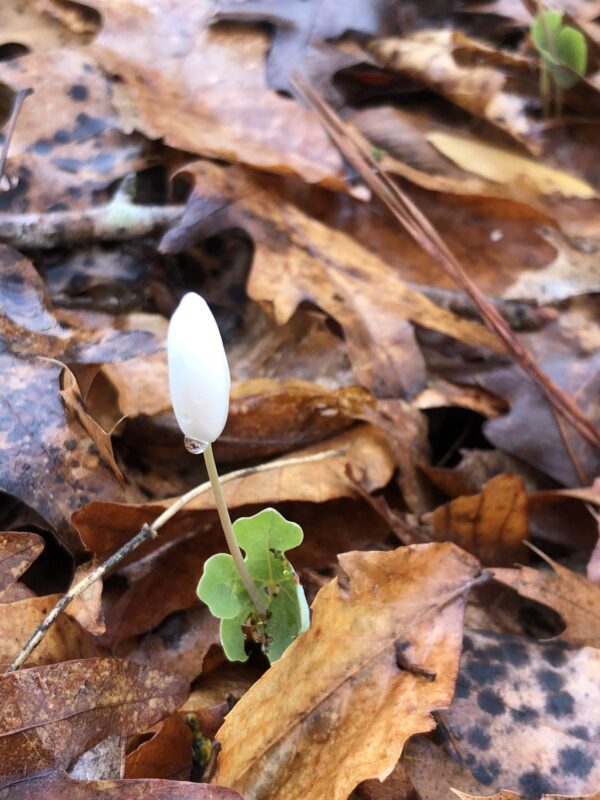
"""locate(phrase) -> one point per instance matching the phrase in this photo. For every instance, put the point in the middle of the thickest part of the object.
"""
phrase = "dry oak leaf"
(26, 26)
(573, 596)
(17, 552)
(483, 88)
(525, 715)
(298, 259)
(380, 656)
(213, 97)
(61, 787)
(492, 525)
(64, 641)
(52, 714)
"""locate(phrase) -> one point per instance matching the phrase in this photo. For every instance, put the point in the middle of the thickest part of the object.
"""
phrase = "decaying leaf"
(354, 705)
(299, 259)
(70, 129)
(17, 552)
(437, 57)
(65, 640)
(492, 525)
(573, 596)
(214, 100)
(524, 716)
(82, 702)
(59, 787)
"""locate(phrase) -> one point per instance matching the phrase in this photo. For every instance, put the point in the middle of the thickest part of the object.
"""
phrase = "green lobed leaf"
(221, 587)
(571, 49)
(544, 29)
(264, 537)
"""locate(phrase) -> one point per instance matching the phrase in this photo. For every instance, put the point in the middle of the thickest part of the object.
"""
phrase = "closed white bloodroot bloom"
(199, 379)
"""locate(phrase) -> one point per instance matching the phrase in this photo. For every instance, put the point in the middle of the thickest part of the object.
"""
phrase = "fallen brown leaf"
(381, 654)
(51, 714)
(485, 88)
(65, 640)
(59, 787)
(573, 596)
(17, 551)
(492, 525)
(323, 266)
(214, 100)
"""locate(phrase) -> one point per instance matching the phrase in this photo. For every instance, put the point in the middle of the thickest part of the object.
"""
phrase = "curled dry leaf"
(82, 702)
(59, 787)
(214, 100)
(300, 259)
(17, 551)
(525, 715)
(437, 58)
(65, 640)
(573, 596)
(492, 525)
(380, 656)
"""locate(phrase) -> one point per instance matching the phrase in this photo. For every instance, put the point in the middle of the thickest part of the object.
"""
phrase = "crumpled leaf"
(381, 654)
(524, 716)
(214, 100)
(486, 89)
(59, 787)
(17, 551)
(573, 596)
(324, 266)
(82, 702)
(492, 525)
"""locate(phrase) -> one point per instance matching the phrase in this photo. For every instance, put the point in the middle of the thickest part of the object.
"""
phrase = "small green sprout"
(264, 538)
(257, 596)
(563, 52)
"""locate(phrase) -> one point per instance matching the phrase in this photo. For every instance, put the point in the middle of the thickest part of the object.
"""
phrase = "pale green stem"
(232, 544)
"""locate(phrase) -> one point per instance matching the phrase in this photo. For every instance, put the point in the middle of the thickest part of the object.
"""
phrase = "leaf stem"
(232, 543)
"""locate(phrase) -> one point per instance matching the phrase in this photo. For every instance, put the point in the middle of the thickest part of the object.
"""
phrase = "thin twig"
(117, 221)
(20, 98)
(147, 533)
(232, 542)
(426, 235)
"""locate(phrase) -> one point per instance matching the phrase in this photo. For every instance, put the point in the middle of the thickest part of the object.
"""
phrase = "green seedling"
(257, 596)
(563, 53)
(264, 538)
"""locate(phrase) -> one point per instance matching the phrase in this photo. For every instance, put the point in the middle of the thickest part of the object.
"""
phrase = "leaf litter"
(165, 148)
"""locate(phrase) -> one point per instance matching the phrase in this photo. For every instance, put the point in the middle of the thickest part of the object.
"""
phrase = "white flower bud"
(199, 379)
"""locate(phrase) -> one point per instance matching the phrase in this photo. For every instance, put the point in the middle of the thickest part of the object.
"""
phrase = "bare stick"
(147, 533)
(119, 220)
(232, 542)
(20, 97)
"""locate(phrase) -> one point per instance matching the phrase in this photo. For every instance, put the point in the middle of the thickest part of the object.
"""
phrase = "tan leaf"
(54, 713)
(437, 58)
(503, 166)
(65, 640)
(493, 525)
(214, 99)
(381, 654)
(17, 552)
(573, 596)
